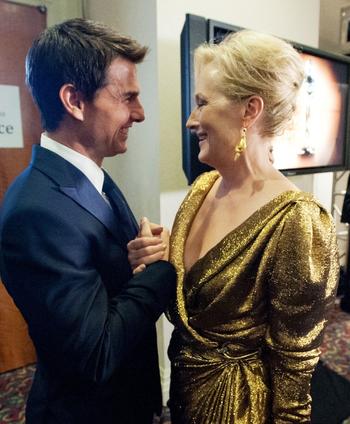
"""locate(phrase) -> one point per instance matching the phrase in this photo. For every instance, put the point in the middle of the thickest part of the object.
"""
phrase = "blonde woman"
(256, 257)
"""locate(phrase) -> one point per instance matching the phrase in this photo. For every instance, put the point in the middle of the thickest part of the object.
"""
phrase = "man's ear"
(254, 107)
(72, 101)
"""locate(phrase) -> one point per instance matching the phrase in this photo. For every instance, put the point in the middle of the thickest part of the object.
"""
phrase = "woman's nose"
(192, 120)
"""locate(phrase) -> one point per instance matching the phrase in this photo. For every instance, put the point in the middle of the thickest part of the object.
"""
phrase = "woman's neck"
(251, 169)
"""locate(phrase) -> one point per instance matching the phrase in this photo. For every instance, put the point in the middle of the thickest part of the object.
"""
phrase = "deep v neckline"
(228, 250)
(231, 233)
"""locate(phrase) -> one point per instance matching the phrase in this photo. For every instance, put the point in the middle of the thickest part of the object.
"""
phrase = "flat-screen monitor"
(318, 140)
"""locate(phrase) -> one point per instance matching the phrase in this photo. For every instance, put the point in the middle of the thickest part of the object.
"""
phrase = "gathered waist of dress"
(226, 351)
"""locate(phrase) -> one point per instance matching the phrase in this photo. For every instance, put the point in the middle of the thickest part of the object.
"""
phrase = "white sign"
(10, 117)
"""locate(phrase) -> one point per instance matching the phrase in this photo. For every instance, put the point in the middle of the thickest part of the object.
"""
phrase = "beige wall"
(57, 11)
(330, 23)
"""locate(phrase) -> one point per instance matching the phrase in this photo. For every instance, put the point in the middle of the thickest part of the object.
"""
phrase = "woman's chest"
(212, 223)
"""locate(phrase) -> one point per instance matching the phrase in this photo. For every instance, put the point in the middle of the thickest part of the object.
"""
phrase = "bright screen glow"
(317, 135)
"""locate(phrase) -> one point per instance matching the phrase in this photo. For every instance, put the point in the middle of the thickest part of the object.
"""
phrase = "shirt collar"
(87, 166)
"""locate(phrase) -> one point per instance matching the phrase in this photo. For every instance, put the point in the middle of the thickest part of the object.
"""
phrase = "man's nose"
(138, 113)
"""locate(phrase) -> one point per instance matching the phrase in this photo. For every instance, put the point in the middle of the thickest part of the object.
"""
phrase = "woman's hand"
(150, 246)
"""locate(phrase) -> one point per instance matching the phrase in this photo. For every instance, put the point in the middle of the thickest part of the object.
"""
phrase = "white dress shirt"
(87, 166)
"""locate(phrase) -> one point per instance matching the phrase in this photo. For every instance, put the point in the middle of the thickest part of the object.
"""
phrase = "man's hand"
(150, 246)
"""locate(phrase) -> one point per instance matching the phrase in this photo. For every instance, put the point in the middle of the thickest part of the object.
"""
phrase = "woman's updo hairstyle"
(252, 63)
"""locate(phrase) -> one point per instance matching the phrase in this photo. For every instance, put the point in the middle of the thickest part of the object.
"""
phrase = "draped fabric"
(249, 315)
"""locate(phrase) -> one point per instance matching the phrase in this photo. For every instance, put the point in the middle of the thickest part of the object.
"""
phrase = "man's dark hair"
(77, 52)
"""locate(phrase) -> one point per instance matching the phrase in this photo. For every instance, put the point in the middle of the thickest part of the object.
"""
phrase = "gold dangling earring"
(242, 145)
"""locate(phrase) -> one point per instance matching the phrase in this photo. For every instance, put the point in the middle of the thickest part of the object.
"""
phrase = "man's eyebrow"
(131, 93)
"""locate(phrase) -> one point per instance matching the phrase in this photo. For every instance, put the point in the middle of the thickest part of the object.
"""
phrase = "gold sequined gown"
(249, 315)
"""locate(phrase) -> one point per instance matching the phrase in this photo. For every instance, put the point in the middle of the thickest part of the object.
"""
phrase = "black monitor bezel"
(208, 27)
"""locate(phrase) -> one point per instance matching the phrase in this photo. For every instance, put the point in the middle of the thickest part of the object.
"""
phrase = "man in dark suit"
(64, 228)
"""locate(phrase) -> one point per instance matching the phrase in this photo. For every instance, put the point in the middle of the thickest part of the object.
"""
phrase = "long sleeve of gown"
(301, 290)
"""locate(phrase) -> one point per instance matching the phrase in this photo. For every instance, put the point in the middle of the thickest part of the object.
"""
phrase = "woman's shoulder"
(306, 211)
(287, 192)
(306, 201)
(202, 185)
(205, 179)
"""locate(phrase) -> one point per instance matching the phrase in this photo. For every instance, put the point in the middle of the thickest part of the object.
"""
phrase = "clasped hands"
(151, 245)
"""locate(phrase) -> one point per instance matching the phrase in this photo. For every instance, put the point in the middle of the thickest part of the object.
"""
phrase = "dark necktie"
(120, 207)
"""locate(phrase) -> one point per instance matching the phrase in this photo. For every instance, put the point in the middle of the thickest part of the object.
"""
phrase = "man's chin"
(121, 147)
(118, 151)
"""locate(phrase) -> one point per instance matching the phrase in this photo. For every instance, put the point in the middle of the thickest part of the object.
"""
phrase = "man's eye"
(129, 98)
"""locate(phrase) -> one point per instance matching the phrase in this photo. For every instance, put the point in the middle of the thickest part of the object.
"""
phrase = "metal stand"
(342, 229)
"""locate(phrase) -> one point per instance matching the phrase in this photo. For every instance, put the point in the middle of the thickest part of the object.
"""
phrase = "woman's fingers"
(146, 251)
(143, 242)
(138, 269)
(145, 228)
(165, 238)
(146, 260)
(150, 246)
(149, 229)
(156, 229)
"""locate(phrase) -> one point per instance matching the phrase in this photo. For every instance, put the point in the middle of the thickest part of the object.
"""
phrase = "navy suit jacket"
(63, 259)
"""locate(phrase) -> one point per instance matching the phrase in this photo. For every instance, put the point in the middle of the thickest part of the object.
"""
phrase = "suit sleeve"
(301, 289)
(48, 267)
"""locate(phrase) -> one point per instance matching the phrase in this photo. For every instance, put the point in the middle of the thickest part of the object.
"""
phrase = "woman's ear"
(254, 107)
(72, 101)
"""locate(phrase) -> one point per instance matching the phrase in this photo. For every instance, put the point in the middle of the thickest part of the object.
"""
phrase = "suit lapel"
(74, 184)
(88, 197)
